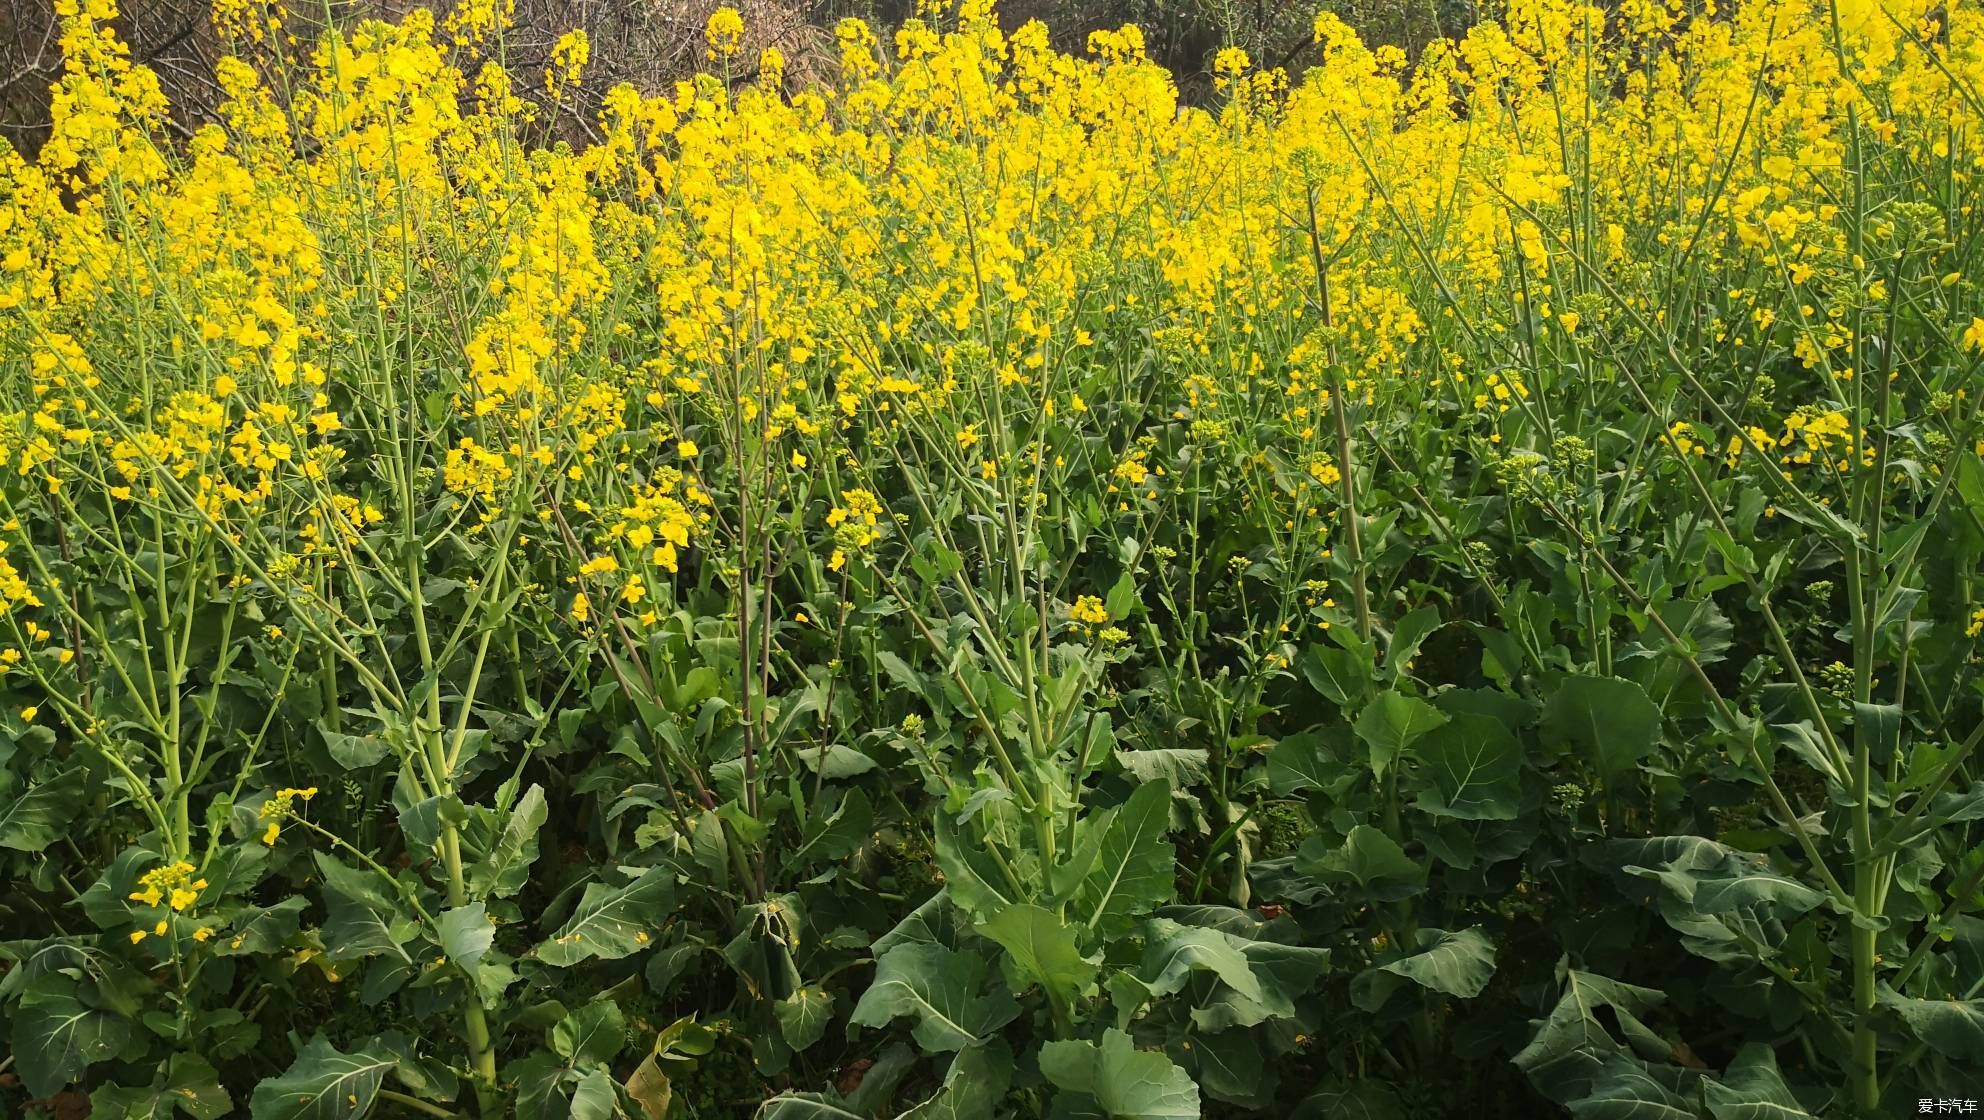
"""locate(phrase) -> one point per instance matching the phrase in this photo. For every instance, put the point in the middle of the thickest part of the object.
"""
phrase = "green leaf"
(1742, 883)
(36, 818)
(1392, 722)
(594, 1097)
(611, 922)
(1042, 948)
(354, 752)
(1172, 952)
(1375, 862)
(1135, 869)
(1302, 762)
(803, 1016)
(595, 1033)
(323, 1084)
(466, 933)
(1456, 964)
(56, 1037)
(1180, 767)
(938, 988)
(354, 928)
(422, 821)
(261, 929)
(1231, 1066)
(503, 870)
(193, 1086)
(1122, 598)
(1609, 722)
(1572, 1045)
(1953, 1028)
(1338, 674)
(1752, 1089)
(973, 1086)
(971, 878)
(842, 761)
(1474, 766)
(1126, 1083)
(1354, 1100)
(1625, 1090)
(1410, 633)
(806, 1106)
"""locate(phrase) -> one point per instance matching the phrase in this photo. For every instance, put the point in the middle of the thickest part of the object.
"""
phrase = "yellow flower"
(724, 31)
(269, 834)
(28, 713)
(1973, 335)
(1089, 610)
(687, 449)
(224, 386)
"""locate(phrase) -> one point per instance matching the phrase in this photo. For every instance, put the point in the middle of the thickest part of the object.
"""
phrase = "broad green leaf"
(1362, 1099)
(194, 1088)
(354, 928)
(36, 818)
(1375, 862)
(1302, 762)
(1456, 964)
(1135, 869)
(1474, 767)
(1752, 1089)
(834, 836)
(1042, 948)
(56, 1037)
(1125, 1083)
(594, 1033)
(1610, 723)
(803, 1016)
(1172, 952)
(466, 933)
(971, 878)
(504, 868)
(933, 923)
(1231, 1066)
(1410, 633)
(1741, 882)
(941, 990)
(973, 1087)
(1181, 767)
(421, 822)
(1625, 1090)
(1391, 722)
(323, 1084)
(1953, 1028)
(611, 922)
(806, 1106)
(1122, 598)
(261, 929)
(594, 1097)
(1573, 1044)
(1338, 674)
(842, 761)
(354, 752)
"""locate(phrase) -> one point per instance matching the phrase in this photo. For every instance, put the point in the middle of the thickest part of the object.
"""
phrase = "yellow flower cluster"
(281, 804)
(171, 883)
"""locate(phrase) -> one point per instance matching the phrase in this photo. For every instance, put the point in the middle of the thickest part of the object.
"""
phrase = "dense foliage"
(971, 591)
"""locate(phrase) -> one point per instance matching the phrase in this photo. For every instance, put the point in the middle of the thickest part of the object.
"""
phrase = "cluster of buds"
(279, 806)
